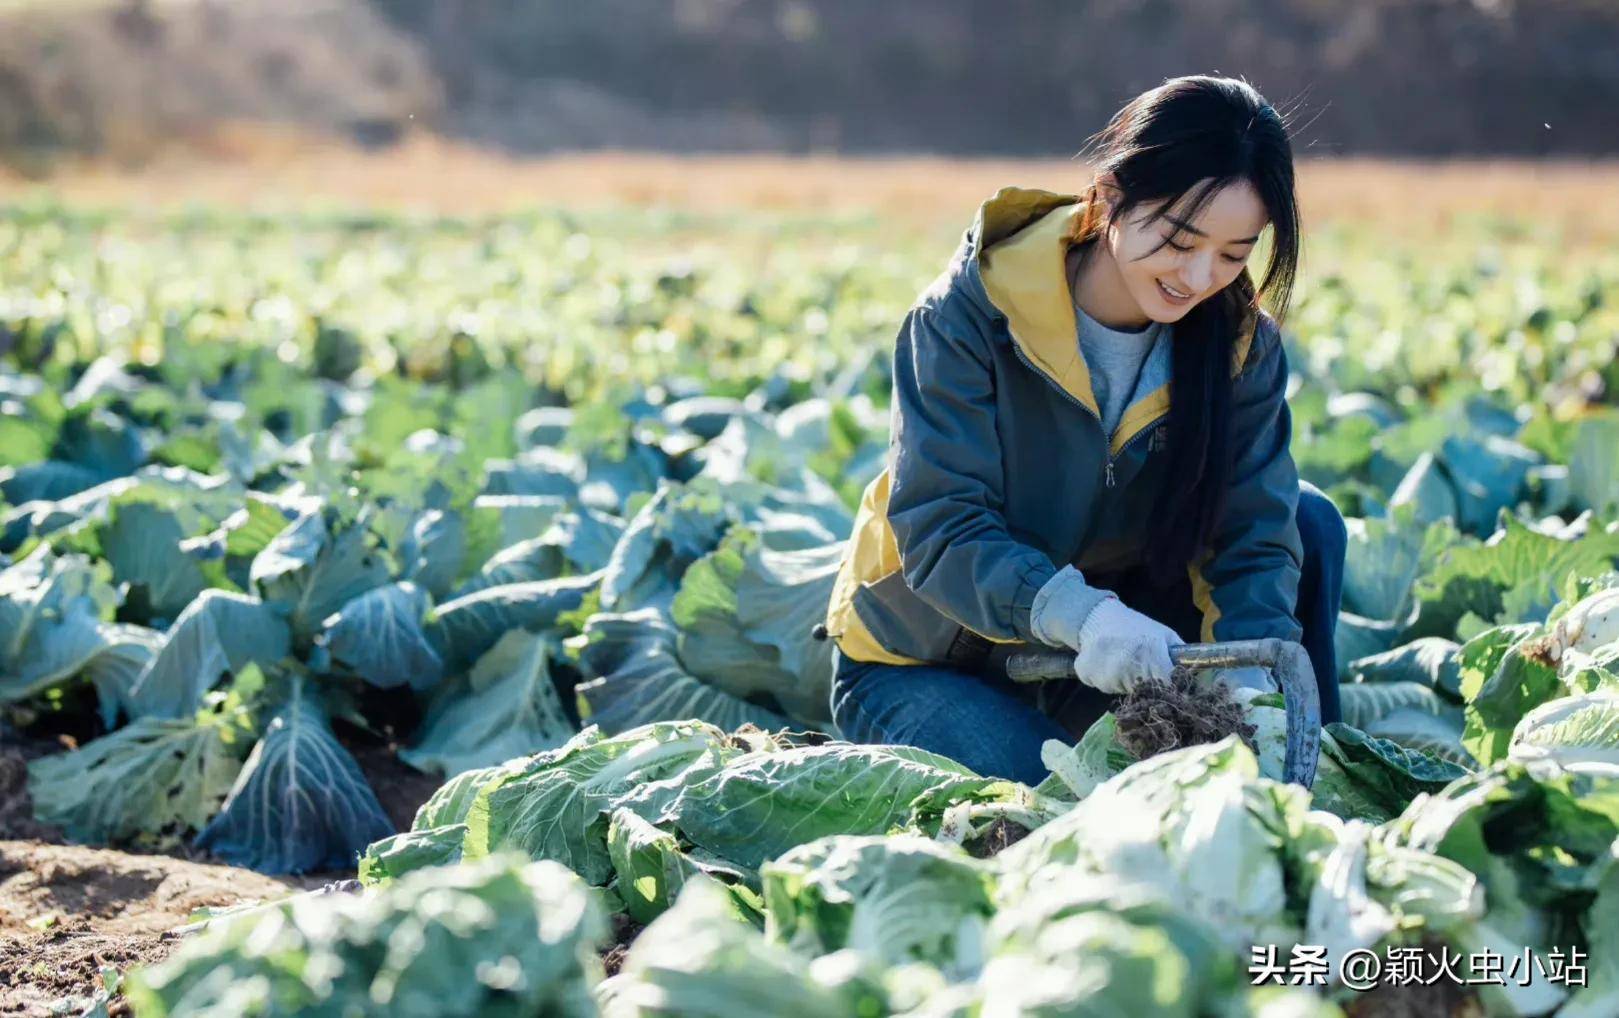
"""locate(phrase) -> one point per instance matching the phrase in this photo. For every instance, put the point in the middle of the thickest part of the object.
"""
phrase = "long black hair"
(1199, 134)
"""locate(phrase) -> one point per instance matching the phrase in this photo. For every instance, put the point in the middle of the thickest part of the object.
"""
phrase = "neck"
(1098, 289)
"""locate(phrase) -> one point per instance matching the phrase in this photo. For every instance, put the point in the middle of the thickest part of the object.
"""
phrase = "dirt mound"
(66, 910)
(1443, 998)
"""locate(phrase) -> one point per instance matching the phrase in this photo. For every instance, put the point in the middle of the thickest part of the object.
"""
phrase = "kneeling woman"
(1090, 448)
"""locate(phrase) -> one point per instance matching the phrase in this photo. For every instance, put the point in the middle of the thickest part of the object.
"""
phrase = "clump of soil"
(1001, 835)
(63, 965)
(625, 930)
(67, 910)
(1155, 716)
(1443, 999)
(16, 805)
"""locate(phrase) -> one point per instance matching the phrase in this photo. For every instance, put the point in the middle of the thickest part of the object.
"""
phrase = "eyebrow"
(1183, 224)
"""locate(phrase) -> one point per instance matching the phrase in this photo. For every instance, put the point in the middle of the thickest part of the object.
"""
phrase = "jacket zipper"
(1107, 473)
(1149, 426)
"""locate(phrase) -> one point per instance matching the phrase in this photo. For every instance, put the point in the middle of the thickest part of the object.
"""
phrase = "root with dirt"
(1156, 717)
(1445, 997)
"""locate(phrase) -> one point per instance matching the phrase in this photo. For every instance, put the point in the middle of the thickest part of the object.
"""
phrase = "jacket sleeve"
(946, 500)
(1247, 582)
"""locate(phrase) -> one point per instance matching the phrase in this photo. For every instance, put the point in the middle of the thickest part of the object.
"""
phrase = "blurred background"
(1409, 111)
(128, 79)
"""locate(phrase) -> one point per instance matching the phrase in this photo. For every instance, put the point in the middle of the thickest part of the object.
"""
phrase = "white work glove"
(1119, 647)
(1060, 608)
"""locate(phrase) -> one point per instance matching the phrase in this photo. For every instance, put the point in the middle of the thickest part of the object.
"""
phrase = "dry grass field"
(1574, 203)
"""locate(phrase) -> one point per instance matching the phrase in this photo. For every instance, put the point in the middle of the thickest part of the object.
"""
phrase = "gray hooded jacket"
(1000, 473)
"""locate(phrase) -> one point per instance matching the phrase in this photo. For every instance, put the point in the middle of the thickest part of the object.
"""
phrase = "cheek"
(1229, 274)
(1150, 267)
(1130, 249)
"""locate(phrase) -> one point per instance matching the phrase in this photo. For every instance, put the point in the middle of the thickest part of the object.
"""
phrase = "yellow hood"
(1020, 242)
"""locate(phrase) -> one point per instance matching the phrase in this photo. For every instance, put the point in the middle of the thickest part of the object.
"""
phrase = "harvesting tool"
(1286, 660)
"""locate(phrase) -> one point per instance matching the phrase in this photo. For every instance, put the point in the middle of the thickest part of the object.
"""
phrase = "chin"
(1162, 313)
(1156, 309)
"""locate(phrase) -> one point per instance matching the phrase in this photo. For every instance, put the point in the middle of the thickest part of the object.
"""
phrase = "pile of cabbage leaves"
(783, 876)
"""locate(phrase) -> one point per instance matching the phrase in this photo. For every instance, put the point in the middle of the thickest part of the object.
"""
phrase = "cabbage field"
(543, 508)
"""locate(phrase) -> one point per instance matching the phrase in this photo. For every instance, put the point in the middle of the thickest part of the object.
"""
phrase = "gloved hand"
(1061, 607)
(1119, 647)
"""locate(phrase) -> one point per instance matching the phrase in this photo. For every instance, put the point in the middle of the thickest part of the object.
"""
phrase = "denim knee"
(1321, 526)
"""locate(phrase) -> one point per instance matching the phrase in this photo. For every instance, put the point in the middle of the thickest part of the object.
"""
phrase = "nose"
(1199, 272)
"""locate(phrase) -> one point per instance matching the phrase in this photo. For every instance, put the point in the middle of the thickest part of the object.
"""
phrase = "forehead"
(1234, 212)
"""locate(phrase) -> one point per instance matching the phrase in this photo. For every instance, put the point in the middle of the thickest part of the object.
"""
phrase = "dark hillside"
(1031, 77)
(124, 78)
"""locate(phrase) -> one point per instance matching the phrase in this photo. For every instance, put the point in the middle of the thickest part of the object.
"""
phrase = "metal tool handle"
(1286, 660)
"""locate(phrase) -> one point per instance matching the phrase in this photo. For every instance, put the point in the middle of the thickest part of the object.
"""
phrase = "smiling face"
(1159, 275)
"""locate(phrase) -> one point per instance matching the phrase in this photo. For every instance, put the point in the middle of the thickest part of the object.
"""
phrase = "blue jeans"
(996, 727)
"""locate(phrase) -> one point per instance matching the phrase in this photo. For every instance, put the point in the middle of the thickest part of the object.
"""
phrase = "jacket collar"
(1022, 237)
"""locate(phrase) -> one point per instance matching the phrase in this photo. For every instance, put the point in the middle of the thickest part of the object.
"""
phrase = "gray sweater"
(1115, 358)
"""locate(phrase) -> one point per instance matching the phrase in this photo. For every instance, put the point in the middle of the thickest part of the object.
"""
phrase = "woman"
(1090, 448)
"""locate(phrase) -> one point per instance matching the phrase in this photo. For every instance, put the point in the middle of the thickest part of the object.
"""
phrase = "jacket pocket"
(903, 623)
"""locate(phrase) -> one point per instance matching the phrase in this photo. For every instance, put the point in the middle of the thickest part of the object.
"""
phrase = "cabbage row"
(219, 624)
(777, 877)
(776, 872)
(233, 526)
(626, 564)
(566, 507)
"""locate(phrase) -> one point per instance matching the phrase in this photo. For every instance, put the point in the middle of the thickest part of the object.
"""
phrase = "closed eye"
(1234, 261)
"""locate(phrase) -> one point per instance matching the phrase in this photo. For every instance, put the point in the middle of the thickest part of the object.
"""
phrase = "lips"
(1170, 297)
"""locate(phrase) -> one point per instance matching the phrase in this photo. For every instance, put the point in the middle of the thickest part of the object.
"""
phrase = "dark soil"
(67, 910)
(1002, 834)
(400, 787)
(16, 805)
(625, 930)
(1156, 717)
(63, 966)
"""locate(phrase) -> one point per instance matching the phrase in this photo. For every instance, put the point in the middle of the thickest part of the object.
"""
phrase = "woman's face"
(1198, 262)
